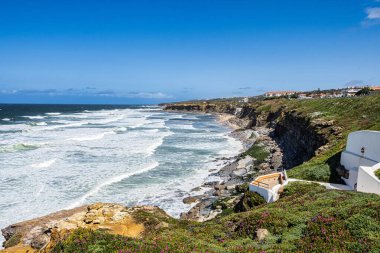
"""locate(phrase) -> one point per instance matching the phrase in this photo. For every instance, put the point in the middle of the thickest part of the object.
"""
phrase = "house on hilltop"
(360, 160)
(278, 93)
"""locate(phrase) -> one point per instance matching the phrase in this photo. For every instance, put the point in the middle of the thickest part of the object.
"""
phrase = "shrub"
(258, 152)
(377, 173)
(313, 173)
(241, 188)
(248, 201)
(14, 240)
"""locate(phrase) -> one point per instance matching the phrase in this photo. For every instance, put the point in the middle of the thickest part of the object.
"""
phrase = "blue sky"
(154, 51)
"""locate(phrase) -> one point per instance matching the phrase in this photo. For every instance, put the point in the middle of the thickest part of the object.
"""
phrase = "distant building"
(360, 160)
(375, 88)
(304, 96)
(351, 91)
(278, 93)
(245, 100)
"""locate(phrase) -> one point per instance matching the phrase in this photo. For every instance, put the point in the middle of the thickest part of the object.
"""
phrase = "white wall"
(367, 181)
(352, 158)
(268, 195)
(353, 161)
(370, 140)
(265, 193)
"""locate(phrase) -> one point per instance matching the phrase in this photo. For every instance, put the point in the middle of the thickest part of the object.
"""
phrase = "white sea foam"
(92, 137)
(40, 190)
(38, 124)
(152, 148)
(108, 120)
(45, 164)
(120, 130)
(111, 181)
(53, 113)
(34, 117)
(67, 125)
(6, 119)
(86, 169)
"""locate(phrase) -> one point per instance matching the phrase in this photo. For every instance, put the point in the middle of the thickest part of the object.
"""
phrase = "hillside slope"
(311, 133)
(307, 218)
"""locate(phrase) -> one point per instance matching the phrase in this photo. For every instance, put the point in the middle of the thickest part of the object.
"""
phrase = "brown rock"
(40, 241)
(161, 225)
(261, 233)
(217, 193)
(196, 189)
(219, 187)
(189, 200)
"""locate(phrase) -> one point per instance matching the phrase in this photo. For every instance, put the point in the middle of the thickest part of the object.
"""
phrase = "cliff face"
(299, 136)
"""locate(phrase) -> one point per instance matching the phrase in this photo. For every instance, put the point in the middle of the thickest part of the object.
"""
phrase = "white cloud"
(8, 91)
(373, 13)
(148, 95)
(85, 92)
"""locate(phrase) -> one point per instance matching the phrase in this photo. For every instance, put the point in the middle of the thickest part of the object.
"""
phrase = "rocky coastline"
(235, 172)
(288, 136)
(302, 136)
(280, 134)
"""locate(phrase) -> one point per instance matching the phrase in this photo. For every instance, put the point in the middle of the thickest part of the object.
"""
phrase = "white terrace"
(269, 186)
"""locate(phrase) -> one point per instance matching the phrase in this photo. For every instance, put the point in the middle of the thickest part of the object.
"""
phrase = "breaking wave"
(111, 181)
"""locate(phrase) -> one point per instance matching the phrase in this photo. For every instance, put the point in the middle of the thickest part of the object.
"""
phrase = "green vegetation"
(258, 152)
(365, 91)
(14, 240)
(377, 173)
(249, 201)
(350, 114)
(307, 218)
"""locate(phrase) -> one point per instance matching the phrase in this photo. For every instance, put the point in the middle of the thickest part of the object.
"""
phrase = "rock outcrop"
(40, 234)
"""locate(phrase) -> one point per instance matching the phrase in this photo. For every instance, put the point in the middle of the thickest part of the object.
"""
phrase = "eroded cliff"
(300, 136)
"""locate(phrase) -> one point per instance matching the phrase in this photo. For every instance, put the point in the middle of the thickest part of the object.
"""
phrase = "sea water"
(55, 157)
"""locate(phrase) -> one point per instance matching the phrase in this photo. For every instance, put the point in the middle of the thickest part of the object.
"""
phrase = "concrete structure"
(269, 186)
(360, 160)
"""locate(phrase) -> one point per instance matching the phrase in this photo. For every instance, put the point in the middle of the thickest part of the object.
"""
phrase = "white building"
(269, 186)
(351, 91)
(360, 161)
(278, 93)
(244, 100)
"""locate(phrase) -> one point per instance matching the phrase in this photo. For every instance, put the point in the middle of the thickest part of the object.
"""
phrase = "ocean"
(55, 157)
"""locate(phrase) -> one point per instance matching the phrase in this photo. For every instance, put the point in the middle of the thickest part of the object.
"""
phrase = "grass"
(351, 114)
(14, 240)
(377, 173)
(258, 152)
(307, 218)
